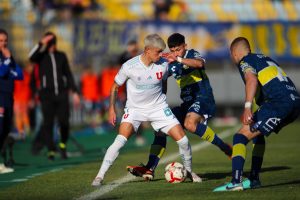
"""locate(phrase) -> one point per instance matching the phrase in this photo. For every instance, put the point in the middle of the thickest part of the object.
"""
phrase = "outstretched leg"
(112, 152)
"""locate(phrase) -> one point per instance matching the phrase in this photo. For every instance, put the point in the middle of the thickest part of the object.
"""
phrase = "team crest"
(125, 116)
(159, 75)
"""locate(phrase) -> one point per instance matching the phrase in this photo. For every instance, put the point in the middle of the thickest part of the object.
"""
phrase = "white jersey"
(144, 83)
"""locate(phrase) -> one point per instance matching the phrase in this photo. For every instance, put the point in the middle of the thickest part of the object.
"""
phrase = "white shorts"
(161, 119)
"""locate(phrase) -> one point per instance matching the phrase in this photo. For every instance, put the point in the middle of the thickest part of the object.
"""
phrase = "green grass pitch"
(71, 179)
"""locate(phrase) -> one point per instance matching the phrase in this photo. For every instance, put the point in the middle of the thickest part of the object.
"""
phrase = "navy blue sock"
(238, 157)
(156, 152)
(257, 156)
(206, 133)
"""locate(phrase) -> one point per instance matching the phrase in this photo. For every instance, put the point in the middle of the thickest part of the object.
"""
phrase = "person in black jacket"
(9, 71)
(56, 80)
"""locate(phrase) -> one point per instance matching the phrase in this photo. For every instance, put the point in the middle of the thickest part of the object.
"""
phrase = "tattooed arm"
(112, 102)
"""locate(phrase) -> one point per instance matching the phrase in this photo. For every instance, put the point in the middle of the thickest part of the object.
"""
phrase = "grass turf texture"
(71, 179)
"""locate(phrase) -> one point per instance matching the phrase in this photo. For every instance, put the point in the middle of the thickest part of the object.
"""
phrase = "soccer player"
(279, 105)
(9, 71)
(187, 67)
(145, 76)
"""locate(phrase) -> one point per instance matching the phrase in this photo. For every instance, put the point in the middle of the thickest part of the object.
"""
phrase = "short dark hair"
(240, 40)
(53, 41)
(175, 40)
(4, 32)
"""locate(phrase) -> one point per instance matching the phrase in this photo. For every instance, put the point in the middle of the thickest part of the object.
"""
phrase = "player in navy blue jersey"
(187, 67)
(279, 104)
(9, 71)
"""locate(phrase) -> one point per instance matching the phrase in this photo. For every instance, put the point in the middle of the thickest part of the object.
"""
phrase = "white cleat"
(97, 182)
(194, 177)
(4, 169)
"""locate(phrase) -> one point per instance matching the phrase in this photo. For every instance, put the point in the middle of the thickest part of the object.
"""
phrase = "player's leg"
(125, 131)
(160, 141)
(156, 152)
(266, 120)
(177, 133)
(240, 140)
(157, 149)
(256, 164)
(196, 122)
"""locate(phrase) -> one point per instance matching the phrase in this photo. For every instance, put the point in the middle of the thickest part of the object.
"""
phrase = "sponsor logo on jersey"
(271, 123)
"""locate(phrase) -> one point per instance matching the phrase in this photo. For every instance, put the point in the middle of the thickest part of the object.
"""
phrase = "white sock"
(111, 155)
(185, 153)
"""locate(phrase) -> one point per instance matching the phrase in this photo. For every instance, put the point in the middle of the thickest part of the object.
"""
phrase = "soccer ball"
(175, 172)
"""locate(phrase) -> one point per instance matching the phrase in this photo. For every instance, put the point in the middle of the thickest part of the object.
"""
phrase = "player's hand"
(247, 116)
(169, 56)
(46, 39)
(6, 53)
(112, 116)
(76, 100)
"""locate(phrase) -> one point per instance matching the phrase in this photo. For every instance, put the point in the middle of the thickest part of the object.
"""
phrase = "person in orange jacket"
(22, 98)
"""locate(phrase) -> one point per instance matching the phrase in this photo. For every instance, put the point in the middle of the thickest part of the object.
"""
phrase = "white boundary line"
(115, 184)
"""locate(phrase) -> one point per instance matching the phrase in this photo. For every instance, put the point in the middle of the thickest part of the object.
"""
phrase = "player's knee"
(190, 126)
(246, 131)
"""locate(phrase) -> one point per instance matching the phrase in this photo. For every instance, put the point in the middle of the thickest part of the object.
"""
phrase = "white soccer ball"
(175, 172)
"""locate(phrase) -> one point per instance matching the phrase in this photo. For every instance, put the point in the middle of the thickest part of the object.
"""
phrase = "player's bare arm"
(112, 102)
(250, 89)
(192, 62)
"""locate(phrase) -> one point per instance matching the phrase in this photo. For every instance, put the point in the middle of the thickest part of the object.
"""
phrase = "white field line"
(116, 183)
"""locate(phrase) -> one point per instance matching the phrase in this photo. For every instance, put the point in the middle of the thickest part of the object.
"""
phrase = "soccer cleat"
(229, 187)
(4, 169)
(194, 177)
(63, 151)
(137, 170)
(251, 184)
(97, 182)
(148, 175)
(51, 155)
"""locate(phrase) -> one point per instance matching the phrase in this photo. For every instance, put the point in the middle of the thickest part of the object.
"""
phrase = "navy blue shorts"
(202, 107)
(272, 117)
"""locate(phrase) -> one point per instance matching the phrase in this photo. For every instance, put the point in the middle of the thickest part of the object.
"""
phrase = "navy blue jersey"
(274, 84)
(9, 72)
(193, 82)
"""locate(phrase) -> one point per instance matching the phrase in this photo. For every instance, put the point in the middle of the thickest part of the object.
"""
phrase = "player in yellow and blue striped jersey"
(279, 105)
(187, 67)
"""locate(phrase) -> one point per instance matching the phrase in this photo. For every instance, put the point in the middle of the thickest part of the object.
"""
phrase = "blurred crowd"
(47, 11)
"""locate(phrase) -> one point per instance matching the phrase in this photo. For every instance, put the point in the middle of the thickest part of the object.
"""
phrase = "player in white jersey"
(145, 76)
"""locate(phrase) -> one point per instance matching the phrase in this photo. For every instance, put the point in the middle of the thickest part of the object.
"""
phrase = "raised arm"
(39, 49)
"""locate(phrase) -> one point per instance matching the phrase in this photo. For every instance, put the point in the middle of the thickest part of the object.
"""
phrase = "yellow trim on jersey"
(258, 150)
(269, 73)
(189, 79)
(239, 150)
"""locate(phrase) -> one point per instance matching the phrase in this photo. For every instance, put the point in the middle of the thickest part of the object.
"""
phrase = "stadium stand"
(181, 10)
